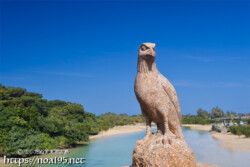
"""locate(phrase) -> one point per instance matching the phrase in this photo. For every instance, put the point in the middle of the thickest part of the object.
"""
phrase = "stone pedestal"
(153, 153)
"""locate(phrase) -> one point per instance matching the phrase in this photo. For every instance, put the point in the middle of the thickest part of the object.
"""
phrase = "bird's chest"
(147, 87)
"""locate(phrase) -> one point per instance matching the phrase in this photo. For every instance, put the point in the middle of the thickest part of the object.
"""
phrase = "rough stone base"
(153, 153)
(198, 164)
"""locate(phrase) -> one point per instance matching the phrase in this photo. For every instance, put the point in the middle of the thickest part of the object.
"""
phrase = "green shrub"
(240, 130)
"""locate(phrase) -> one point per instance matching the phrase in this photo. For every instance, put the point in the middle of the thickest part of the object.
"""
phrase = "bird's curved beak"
(151, 53)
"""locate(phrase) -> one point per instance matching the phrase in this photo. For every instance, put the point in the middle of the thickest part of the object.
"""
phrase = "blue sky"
(86, 52)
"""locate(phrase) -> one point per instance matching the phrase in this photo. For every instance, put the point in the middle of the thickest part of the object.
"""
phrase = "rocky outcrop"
(153, 153)
(199, 164)
(217, 128)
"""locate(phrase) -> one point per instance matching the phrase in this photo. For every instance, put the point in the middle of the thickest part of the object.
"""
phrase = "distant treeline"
(29, 122)
(216, 112)
(193, 119)
(204, 117)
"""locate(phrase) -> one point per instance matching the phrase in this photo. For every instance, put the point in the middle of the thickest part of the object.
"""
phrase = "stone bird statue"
(157, 97)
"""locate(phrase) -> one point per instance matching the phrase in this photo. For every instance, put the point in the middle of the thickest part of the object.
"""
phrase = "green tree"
(15, 92)
(231, 114)
(202, 113)
(52, 126)
(22, 138)
(217, 112)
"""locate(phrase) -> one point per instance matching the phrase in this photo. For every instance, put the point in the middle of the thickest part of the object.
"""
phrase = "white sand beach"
(119, 130)
(228, 140)
(198, 127)
(232, 142)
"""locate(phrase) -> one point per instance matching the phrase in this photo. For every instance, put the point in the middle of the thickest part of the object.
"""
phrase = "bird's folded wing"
(169, 89)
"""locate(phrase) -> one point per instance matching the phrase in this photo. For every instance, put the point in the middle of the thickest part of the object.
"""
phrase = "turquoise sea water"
(115, 151)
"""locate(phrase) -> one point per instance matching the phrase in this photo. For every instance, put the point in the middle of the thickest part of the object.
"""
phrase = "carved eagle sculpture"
(156, 96)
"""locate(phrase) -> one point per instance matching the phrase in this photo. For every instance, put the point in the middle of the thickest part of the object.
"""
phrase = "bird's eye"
(153, 48)
(143, 48)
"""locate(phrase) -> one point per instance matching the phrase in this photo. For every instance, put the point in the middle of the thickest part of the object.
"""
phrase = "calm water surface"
(115, 151)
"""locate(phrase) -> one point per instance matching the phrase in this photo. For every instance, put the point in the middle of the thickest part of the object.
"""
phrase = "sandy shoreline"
(198, 127)
(119, 130)
(229, 141)
(139, 127)
(232, 142)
